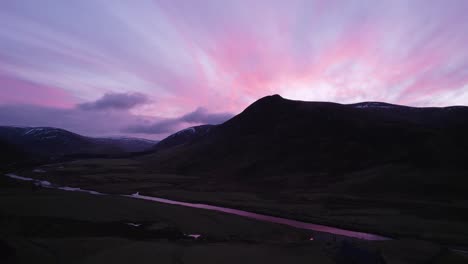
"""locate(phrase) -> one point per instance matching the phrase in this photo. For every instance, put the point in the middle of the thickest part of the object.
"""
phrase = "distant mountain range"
(277, 143)
(46, 144)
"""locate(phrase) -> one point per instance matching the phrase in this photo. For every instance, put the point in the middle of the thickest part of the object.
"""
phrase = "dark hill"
(280, 143)
(186, 136)
(47, 144)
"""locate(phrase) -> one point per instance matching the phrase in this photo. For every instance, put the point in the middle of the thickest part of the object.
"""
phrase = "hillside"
(278, 143)
(46, 144)
(386, 169)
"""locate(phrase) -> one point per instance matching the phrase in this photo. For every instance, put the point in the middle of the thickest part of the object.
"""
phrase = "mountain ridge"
(279, 142)
(48, 144)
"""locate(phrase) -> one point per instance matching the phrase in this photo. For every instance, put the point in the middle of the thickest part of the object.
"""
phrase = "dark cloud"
(199, 116)
(119, 101)
(160, 127)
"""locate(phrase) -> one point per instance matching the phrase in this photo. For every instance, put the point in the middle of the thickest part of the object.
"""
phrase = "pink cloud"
(223, 55)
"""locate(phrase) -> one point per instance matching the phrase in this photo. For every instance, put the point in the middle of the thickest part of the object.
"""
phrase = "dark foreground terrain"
(50, 226)
(426, 218)
(390, 170)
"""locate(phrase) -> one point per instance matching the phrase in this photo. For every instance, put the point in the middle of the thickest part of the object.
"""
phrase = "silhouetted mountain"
(183, 137)
(49, 144)
(280, 143)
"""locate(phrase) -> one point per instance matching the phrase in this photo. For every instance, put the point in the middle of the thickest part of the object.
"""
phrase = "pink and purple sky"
(148, 68)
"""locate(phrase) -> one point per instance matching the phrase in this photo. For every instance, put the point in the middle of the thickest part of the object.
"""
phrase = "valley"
(53, 226)
(305, 180)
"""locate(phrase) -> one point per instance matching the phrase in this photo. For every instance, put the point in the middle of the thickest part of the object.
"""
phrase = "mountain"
(367, 147)
(128, 144)
(47, 144)
(185, 136)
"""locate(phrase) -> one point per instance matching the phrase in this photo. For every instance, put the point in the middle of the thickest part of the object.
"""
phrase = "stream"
(256, 216)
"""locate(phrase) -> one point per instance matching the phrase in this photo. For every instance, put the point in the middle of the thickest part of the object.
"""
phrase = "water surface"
(267, 218)
(256, 216)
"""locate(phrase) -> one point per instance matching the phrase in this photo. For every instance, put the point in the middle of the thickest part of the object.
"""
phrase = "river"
(252, 215)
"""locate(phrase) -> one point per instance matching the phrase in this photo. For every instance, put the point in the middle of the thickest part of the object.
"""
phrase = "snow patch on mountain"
(373, 105)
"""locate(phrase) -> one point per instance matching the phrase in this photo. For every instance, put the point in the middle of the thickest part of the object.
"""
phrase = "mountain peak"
(273, 97)
(267, 101)
(265, 104)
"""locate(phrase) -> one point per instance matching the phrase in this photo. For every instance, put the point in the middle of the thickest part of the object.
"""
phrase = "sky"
(148, 68)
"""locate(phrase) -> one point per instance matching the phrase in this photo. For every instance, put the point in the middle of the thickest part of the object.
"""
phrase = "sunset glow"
(213, 58)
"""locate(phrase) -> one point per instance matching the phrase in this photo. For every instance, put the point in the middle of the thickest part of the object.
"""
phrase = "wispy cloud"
(223, 55)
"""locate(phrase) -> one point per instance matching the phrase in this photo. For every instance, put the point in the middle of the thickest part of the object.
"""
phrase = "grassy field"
(440, 221)
(52, 226)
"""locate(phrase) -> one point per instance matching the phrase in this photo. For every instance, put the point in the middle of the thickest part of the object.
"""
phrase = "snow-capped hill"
(44, 133)
(456, 108)
(375, 105)
(53, 143)
(190, 130)
(132, 139)
(35, 133)
(279, 142)
(183, 137)
(34, 130)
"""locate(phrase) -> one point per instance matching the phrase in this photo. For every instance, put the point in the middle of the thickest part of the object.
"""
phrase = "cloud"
(161, 127)
(103, 123)
(223, 55)
(118, 101)
(199, 116)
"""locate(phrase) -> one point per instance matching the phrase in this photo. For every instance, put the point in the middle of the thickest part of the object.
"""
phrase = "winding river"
(256, 216)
